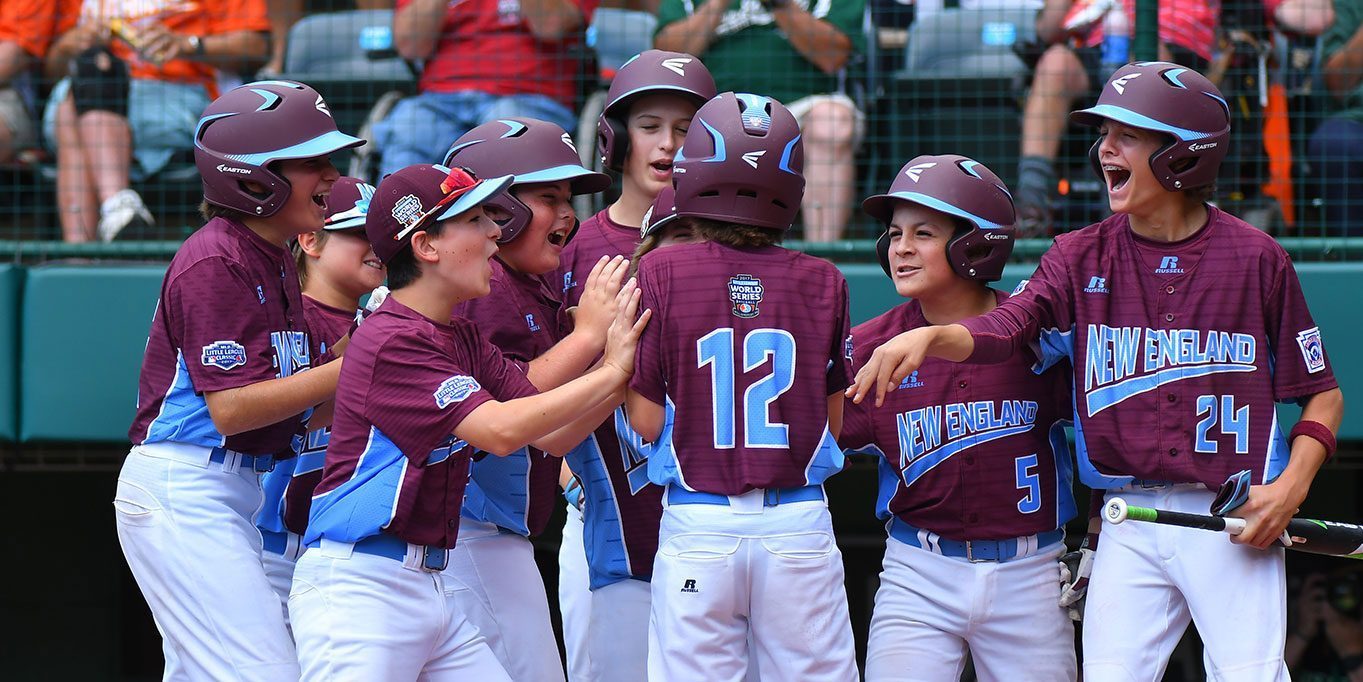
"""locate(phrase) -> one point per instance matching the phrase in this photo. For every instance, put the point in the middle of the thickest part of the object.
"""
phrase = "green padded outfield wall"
(84, 331)
(11, 282)
(85, 328)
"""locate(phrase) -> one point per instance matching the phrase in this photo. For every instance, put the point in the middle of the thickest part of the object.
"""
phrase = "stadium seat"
(958, 92)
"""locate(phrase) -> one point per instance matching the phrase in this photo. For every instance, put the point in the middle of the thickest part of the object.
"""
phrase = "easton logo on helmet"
(752, 157)
(568, 140)
(223, 168)
(914, 172)
(1120, 84)
(1195, 147)
(322, 106)
(676, 65)
(993, 236)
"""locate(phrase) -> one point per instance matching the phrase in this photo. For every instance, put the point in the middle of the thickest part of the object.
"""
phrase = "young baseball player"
(1183, 325)
(510, 499)
(648, 111)
(751, 350)
(975, 473)
(421, 392)
(223, 388)
(336, 266)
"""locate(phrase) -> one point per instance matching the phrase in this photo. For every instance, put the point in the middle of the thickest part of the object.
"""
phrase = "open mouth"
(664, 166)
(373, 263)
(559, 237)
(906, 270)
(320, 199)
(1116, 177)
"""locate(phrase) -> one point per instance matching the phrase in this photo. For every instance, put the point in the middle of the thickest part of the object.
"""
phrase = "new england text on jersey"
(930, 435)
(1124, 361)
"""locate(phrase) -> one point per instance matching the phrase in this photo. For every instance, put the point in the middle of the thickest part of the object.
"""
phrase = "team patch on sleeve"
(455, 389)
(847, 347)
(1018, 289)
(1312, 351)
(224, 355)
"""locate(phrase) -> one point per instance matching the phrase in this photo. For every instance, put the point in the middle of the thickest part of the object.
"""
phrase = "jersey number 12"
(716, 350)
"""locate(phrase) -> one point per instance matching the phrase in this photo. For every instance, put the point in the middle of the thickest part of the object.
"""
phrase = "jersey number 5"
(716, 350)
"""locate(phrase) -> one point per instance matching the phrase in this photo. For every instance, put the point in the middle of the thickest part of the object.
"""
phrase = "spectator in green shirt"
(792, 51)
(1336, 148)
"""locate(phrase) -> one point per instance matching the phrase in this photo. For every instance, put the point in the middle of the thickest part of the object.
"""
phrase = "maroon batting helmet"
(1170, 99)
(742, 162)
(531, 150)
(662, 212)
(251, 126)
(962, 188)
(648, 72)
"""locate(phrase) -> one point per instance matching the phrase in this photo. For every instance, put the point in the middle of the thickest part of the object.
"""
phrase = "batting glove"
(1075, 569)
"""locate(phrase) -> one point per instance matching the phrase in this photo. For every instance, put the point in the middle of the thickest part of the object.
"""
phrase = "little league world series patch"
(745, 292)
(455, 389)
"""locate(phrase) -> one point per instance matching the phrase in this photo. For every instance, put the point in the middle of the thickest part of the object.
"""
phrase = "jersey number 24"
(716, 350)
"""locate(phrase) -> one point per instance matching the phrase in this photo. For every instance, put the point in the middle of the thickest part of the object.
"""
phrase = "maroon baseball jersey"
(327, 325)
(623, 509)
(520, 318)
(747, 344)
(970, 452)
(230, 315)
(598, 236)
(392, 464)
(1178, 350)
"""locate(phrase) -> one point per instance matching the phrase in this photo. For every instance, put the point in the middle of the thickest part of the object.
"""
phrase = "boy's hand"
(596, 310)
(624, 333)
(890, 363)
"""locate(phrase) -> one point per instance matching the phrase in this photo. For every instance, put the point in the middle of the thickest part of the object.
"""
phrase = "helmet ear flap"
(612, 140)
(883, 252)
(518, 215)
(1093, 157)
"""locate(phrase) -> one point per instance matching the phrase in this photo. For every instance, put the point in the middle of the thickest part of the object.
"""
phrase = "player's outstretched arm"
(241, 409)
(1271, 506)
(556, 420)
(900, 356)
(572, 356)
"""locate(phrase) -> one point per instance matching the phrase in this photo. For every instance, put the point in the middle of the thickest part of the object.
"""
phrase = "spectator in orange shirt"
(133, 90)
(26, 28)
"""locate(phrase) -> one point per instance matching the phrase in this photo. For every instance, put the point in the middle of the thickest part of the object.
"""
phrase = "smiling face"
(1124, 155)
(536, 249)
(463, 252)
(918, 251)
(310, 182)
(344, 261)
(657, 127)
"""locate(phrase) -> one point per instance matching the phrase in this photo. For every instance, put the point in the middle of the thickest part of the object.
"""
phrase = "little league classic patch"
(1312, 350)
(454, 390)
(224, 355)
(745, 292)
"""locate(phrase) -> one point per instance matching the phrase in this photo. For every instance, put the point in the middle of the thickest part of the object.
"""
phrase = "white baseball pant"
(575, 598)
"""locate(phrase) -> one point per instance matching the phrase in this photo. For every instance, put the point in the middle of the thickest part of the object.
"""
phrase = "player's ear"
(311, 243)
(423, 247)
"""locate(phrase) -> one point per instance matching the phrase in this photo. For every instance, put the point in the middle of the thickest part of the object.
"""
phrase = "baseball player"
(223, 389)
(975, 471)
(509, 499)
(420, 393)
(648, 111)
(336, 266)
(1182, 325)
(751, 349)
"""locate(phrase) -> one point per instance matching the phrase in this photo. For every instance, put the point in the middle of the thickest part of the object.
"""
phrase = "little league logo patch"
(224, 355)
(847, 347)
(1312, 350)
(455, 389)
(1020, 287)
(745, 291)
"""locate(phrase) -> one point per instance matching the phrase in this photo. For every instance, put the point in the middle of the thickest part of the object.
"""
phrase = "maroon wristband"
(1315, 431)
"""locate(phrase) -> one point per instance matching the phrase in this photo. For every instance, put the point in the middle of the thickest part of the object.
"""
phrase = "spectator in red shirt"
(1070, 68)
(136, 75)
(485, 59)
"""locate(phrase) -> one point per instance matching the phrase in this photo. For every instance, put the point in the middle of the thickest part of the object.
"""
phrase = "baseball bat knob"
(1115, 510)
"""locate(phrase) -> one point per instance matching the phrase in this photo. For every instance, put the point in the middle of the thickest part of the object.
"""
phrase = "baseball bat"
(1308, 535)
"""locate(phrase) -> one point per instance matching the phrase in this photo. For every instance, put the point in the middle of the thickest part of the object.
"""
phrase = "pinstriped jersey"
(520, 318)
(747, 345)
(393, 464)
(230, 315)
(1177, 350)
(970, 452)
(623, 509)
